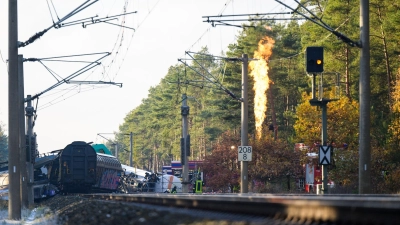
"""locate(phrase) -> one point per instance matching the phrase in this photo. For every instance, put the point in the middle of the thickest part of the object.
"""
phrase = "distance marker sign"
(245, 153)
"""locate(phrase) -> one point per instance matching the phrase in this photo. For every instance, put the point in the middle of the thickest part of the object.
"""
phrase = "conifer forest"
(280, 114)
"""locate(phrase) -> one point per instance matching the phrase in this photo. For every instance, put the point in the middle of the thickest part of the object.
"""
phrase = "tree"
(274, 166)
(394, 127)
(342, 130)
(221, 167)
(3, 145)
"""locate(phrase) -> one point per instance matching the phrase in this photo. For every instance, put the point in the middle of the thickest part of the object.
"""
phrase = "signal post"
(315, 66)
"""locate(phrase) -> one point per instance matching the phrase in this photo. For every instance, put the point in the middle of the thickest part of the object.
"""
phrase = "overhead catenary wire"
(65, 95)
(73, 75)
(65, 56)
(90, 21)
(303, 51)
(129, 44)
(57, 100)
(323, 25)
(2, 59)
(59, 59)
(112, 69)
(259, 17)
(56, 24)
(93, 82)
(51, 14)
(288, 57)
(222, 22)
(54, 8)
(250, 14)
(51, 71)
(116, 47)
(208, 29)
(220, 14)
(112, 61)
(214, 81)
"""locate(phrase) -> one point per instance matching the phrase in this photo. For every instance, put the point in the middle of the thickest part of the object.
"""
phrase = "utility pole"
(244, 126)
(116, 150)
(364, 179)
(14, 174)
(113, 143)
(29, 110)
(131, 148)
(185, 166)
(22, 137)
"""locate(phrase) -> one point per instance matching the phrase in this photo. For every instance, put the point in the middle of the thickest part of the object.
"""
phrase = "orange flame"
(259, 72)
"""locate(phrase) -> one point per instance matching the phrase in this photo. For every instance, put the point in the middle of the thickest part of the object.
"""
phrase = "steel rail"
(337, 209)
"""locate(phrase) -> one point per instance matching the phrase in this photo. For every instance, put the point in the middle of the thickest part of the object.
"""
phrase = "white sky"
(165, 29)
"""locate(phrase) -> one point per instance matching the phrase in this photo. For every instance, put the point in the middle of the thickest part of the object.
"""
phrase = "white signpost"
(245, 153)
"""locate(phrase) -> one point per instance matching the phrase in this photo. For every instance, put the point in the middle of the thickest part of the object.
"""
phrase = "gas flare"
(259, 72)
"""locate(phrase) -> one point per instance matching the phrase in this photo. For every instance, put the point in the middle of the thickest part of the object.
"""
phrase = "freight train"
(76, 169)
(81, 168)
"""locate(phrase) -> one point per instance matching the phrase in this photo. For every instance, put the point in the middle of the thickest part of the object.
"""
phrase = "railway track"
(298, 209)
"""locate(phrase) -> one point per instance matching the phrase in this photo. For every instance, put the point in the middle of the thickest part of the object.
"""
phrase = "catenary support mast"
(364, 179)
(29, 111)
(14, 195)
(244, 127)
(185, 166)
(21, 135)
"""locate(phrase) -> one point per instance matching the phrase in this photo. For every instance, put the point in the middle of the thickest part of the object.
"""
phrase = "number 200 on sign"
(245, 153)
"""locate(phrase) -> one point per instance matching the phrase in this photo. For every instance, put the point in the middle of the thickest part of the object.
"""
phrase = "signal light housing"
(315, 59)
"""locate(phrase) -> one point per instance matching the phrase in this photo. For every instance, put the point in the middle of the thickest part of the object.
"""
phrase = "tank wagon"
(78, 168)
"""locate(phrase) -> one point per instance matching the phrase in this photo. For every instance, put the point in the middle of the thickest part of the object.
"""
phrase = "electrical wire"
(118, 45)
(54, 8)
(111, 69)
(51, 14)
(304, 50)
(64, 96)
(54, 74)
(107, 67)
(117, 48)
(2, 59)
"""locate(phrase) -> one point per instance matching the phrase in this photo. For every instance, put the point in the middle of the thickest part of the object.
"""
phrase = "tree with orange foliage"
(342, 122)
(342, 125)
(389, 163)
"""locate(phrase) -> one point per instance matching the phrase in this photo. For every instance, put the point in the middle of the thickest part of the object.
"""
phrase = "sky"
(140, 57)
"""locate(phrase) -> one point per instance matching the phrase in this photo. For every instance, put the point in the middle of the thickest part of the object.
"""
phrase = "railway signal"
(315, 59)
